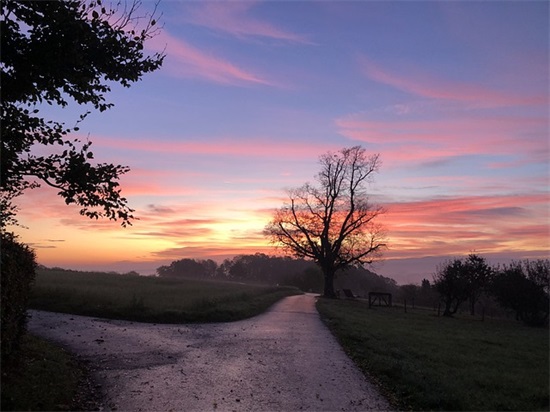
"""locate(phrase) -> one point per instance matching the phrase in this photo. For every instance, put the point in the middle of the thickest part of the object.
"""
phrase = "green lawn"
(151, 299)
(425, 362)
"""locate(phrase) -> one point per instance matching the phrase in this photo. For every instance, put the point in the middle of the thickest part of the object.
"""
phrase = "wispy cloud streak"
(434, 87)
(187, 61)
(422, 140)
(236, 19)
(226, 146)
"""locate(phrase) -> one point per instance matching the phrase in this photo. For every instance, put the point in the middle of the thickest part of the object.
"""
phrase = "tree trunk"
(474, 297)
(448, 311)
(329, 283)
(457, 305)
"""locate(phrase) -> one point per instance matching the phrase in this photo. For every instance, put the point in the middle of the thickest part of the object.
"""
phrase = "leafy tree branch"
(55, 52)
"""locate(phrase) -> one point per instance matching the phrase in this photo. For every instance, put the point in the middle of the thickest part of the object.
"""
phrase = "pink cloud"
(430, 86)
(435, 227)
(148, 182)
(53, 209)
(422, 140)
(468, 204)
(235, 18)
(187, 61)
(459, 225)
(434, 131)
(221, 146)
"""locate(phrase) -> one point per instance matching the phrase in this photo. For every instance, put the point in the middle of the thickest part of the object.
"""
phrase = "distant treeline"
(59, 269)
(277, 270)
(520, 289)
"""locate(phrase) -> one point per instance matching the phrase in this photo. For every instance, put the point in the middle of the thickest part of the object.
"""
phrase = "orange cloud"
(447, 226)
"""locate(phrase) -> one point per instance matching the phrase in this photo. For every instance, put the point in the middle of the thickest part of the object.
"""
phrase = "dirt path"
(283, 360)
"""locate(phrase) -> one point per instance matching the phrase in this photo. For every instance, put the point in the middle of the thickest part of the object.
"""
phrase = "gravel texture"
(283, 360)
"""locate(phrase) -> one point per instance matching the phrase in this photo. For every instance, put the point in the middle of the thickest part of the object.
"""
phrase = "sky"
(452, 95)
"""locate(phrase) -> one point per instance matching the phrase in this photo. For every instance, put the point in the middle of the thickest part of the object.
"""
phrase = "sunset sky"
(453, 95)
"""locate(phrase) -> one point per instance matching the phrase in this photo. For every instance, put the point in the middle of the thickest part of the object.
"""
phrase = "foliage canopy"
(523, 287)
(54, 52)
(462, 279)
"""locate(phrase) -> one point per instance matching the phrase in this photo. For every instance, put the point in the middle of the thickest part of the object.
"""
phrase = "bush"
(18, 266)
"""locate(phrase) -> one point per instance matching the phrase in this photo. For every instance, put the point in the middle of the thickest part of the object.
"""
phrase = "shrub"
(18, 266)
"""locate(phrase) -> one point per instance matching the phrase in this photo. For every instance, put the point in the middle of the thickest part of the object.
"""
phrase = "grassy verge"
(150, 299)
(45, 378)
(425, 362)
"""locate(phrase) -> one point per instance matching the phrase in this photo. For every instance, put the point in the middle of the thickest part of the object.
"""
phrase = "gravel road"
(282, 360)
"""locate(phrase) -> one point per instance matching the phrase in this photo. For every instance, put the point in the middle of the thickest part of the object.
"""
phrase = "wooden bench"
(383, 299)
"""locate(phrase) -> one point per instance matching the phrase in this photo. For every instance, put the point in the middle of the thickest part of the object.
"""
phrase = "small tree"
(462, 280)
(332, 223)
(478, 276)
(427, 296)
(409, 293)
(452, 285)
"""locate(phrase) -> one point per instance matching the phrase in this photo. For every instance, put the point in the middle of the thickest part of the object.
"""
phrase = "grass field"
(46, 378)
(425, 362)
(419, 360)
(150, 299)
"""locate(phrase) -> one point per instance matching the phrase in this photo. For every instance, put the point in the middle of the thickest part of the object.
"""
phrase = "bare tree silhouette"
(332, 223)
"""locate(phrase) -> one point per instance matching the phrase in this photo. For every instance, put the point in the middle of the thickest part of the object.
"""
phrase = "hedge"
(18, 269)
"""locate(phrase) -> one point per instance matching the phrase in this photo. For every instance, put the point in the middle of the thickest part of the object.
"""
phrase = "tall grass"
(425, 362)
(150, 299)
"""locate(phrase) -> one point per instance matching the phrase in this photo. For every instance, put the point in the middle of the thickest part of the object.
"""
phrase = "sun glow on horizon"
(245, 106)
